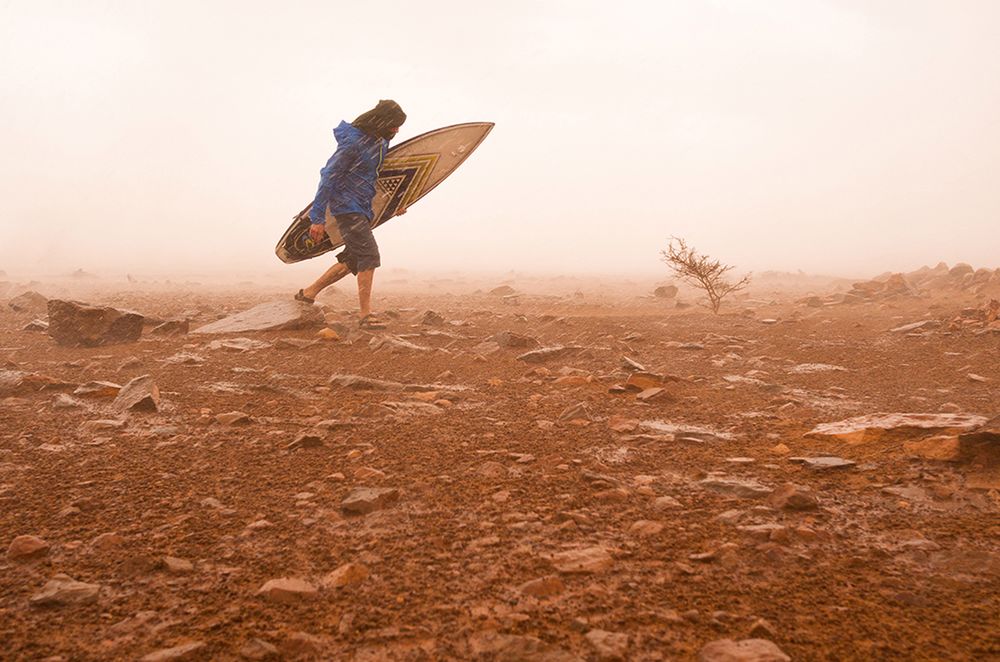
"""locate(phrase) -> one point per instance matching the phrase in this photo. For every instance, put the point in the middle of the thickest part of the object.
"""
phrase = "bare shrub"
(701, 271)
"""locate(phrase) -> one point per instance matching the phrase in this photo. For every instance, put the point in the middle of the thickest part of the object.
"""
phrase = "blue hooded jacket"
(347, 181)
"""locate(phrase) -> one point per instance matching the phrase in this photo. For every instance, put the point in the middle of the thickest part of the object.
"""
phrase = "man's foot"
(301, 296)
(371, 322)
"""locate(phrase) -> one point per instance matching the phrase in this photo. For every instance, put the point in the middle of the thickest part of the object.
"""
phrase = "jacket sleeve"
(332, 177)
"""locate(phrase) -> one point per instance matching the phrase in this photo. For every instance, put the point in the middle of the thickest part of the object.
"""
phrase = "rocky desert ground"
(518, 469)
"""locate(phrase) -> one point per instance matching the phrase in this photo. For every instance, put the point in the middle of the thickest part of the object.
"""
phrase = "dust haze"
(841, 138)
(693, 358)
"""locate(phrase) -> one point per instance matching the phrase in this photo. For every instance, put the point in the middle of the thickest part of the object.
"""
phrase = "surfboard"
(411, 170)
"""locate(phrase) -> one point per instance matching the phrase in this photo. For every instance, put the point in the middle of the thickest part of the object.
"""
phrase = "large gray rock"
(76, 324)
(273, 316)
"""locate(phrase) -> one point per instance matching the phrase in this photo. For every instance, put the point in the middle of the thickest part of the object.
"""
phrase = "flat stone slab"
(549, 353)
(811, 368)
(873, 427)
(914, 326)
(744, 488)
(273, 316)
(827, 462)
(684, 430)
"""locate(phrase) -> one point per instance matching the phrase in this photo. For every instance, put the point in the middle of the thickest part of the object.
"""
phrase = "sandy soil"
(900, 559)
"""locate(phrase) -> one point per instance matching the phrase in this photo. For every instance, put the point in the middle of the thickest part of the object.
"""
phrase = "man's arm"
(343, 160)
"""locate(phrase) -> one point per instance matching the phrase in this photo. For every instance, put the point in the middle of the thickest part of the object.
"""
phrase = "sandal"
(301, 296)
(370, 321)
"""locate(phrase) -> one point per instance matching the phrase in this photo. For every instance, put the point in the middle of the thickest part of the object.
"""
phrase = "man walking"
(344, 202)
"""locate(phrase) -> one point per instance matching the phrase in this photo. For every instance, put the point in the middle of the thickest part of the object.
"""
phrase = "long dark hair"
(381, 120)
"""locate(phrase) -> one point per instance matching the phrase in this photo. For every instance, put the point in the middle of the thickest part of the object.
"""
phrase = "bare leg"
(332, 275)
(365, 291)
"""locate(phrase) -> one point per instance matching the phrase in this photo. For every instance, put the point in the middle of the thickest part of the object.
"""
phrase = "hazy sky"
(839, 136)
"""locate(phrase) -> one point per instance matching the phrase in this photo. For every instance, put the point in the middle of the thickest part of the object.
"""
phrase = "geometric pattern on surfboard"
(409, 172)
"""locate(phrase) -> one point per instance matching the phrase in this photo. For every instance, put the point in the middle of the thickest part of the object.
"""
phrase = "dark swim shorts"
(360, 250)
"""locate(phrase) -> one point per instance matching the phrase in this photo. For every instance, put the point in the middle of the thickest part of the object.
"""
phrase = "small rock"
(666, 503)
(578, 411)
(762, 629)
(189, 651)
(176, 566)
(233, 418)
(348, 574)
(26, 548)
(543, 587)
(642, 381)
(287, 590)
(63, 590)
(583, 561)
(258, 649)
(432, 318)
(509, 339)
(328, 334)
(306, 439)
(364, 500)
(665, 292)
(619, 423)
(651, 394)
(548, 353)
(63, 401)
(106, 542)
(608, 645)
(792, 497)
(97, 390)
(646, 528)
(139, 394)
(746, 650)
(303, 644)
(824, 463)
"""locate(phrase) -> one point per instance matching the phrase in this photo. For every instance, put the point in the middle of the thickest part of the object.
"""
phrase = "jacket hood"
(347, 134)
